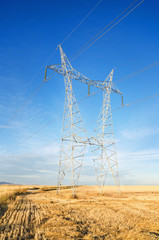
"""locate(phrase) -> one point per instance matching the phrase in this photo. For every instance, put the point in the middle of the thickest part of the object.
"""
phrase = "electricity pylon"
(74, 138)
(104, 155)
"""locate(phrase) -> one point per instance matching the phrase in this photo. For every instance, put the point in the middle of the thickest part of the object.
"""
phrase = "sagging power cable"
(101, 33)
(44, 82)
(138, 72)
(137, 101)
(81, 21)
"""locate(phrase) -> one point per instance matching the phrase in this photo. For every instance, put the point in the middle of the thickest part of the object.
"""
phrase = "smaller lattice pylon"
(104, 151)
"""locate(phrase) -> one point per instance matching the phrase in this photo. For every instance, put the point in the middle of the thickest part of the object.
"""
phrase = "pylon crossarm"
(115, 89)
(82, 142)
(74, 74)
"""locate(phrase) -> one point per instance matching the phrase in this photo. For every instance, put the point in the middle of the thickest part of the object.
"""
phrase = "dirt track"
(44, 215)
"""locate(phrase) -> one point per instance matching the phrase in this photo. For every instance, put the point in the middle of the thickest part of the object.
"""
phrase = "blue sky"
(30, 33)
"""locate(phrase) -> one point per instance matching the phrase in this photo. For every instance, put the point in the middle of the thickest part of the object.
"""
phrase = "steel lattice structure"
(104, 154)
(74, 139)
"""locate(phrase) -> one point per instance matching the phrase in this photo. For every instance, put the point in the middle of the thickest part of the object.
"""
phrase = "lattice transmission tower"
(74, 139)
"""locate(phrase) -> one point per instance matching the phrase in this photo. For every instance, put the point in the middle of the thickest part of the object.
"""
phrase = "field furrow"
(41, 214)
(21, 220)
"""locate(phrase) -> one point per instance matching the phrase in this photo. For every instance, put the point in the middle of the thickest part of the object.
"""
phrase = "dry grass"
(9, 193)
(42, 214)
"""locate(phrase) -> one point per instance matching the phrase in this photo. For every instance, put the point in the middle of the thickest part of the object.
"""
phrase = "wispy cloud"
(135, 134)
(144, 155)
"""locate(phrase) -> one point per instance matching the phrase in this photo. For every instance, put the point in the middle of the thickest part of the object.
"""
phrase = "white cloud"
(50, 150)
(144, 155)
(138, 134)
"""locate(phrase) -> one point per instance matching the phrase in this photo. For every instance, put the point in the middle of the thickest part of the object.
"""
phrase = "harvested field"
(37, 212)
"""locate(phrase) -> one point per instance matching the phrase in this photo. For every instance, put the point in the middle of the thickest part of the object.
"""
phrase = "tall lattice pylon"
(104, 151)
(74, 139)
(74, 135)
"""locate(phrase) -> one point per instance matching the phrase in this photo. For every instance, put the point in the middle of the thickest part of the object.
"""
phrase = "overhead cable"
(81, 21)
(138, 71)
(44, 82)
(137, 101)
(87, 45)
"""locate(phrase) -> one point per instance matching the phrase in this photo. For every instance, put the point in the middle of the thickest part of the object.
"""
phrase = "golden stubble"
(37, 212)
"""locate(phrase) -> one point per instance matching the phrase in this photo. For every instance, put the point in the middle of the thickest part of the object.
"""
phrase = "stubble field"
(37, 212)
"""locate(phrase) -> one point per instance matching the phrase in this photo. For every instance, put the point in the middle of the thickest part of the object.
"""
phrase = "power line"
(70, 34)
(138, 71)
(43, 65)
(81, 22)
(137, 101)
(85, 48)
(44, 82)
(154, 64)
(103, 29)
(141, 100)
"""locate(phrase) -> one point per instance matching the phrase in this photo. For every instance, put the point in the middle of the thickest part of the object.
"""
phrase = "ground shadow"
(157, 234)
(3, 209)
